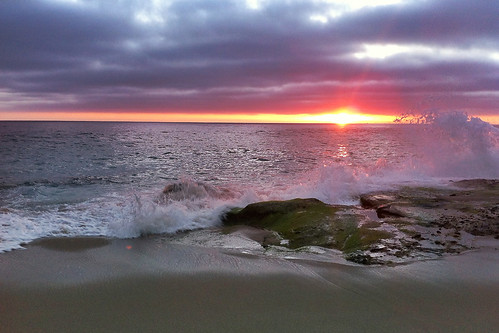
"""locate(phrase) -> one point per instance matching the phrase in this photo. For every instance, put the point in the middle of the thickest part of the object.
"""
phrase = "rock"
(4, 210)
(416, 222)
(308, 222)
(468, 205)
(301, 221)
(375, 200)
(188, 190)
(391, 210)
(257, 214)
(362, 258)
(478, 183)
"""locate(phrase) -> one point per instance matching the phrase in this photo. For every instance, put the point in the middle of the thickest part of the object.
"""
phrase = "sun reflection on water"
(342, 151)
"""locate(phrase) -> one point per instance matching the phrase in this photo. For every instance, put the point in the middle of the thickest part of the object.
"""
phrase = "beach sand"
(153, 285)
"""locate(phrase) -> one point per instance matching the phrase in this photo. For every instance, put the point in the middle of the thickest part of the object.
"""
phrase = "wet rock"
(308, 222)
(468, 205)
(377, 248)
(363, 258)
(478, 183)
(391, 210)
(374, 200)
(257, 214)
(301, 221)
(187, 190)
(413, 223)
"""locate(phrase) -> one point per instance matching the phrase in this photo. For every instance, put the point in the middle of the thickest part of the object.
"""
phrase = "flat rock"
(413, 222)
(392, 210)
(374, 200)
(478, 183)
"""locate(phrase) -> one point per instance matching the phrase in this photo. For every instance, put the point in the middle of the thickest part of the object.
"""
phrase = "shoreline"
(152, 284)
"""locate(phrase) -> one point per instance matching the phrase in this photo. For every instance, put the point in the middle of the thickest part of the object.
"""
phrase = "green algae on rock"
(309, 222)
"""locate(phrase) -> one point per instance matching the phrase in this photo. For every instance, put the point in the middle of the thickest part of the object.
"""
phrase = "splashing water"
(452, 144)
(183, 205)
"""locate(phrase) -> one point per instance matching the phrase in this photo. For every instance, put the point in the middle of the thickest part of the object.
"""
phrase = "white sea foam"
(188, 205)
(150, 217)
(84, 219)
(15, 230)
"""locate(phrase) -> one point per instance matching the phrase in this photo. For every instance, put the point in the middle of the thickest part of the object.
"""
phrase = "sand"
(153, 285)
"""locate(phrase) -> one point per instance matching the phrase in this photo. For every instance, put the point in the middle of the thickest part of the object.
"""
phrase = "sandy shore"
(152, 285)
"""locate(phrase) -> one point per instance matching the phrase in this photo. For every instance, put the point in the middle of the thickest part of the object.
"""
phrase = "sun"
(341, 117)
(344, 118)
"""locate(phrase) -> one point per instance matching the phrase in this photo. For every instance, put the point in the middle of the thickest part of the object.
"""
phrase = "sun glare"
(344, 117)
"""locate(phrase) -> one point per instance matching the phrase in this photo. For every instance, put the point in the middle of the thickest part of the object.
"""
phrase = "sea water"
(61, 179)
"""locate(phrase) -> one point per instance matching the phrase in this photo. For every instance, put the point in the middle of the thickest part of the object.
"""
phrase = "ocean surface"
(106, 179)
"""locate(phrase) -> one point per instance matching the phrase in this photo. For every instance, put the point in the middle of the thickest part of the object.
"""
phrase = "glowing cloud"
(383, 51)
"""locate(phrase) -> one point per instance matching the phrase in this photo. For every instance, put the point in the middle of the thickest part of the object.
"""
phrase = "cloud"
(234, 56)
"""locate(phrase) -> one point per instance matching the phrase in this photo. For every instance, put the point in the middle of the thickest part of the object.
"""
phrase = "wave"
(72, 181)
(453, 144)
(89, 218)
(181, 206)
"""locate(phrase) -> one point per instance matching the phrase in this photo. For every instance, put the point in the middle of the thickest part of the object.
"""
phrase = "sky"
(253, 60)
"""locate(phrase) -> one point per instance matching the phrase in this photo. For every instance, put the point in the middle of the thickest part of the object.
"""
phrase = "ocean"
(70, 179)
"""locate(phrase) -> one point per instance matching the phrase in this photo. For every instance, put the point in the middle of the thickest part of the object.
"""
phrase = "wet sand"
(152, 285)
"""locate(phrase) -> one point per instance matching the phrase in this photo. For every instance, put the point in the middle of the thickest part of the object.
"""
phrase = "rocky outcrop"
(409, 223)
(309, 222)
(491, 184)
(469, 205)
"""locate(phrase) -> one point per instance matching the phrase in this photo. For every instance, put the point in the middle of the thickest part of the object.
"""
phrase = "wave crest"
(453, 144)
(181, 206)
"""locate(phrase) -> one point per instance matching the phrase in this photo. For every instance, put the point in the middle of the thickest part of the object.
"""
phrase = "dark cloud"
(457, 23)
(222, 56)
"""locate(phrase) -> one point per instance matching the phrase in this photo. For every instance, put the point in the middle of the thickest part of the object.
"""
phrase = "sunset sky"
(247, 61)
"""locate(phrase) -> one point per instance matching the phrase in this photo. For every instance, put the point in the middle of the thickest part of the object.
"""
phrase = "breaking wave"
(181, 206)
(453, 144)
